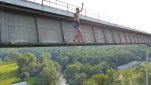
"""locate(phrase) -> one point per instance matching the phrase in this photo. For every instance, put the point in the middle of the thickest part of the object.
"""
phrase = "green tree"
(44, 56)
(6, 59)
(26, 60)
(70, 73)
(112, 74)
(90, 82)
(101, 79)
(14, 56)
(24, 76)
(126, 77)
(49, 74)
(79, 78)
(28, 63)
(64, 61)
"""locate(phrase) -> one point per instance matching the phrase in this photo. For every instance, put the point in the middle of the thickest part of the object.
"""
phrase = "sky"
(131, 13)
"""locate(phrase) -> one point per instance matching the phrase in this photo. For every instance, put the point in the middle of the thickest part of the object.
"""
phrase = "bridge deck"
(23, 23)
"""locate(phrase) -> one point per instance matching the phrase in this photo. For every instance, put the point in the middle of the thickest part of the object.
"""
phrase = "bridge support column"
(1, 22)
(94, 34)
(63, 39)
(147, 74)
(37, 29)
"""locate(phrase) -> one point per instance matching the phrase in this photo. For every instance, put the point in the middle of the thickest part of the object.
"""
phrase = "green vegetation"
(8, 73)
(27, 68)
(78, 65)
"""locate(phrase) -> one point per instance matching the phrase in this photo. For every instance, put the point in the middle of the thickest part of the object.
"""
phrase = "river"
(61, 81)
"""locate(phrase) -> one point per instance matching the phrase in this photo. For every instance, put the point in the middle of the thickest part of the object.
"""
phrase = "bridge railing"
(67, 7)
(87, 13)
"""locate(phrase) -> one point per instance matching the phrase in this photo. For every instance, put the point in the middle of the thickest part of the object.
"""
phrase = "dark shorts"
(76, 24)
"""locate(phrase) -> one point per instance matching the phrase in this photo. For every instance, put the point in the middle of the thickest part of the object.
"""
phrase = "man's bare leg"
(75, 38)
(79, 34)
(76, 35)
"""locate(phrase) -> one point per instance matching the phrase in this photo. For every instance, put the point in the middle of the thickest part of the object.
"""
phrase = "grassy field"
(8, 73)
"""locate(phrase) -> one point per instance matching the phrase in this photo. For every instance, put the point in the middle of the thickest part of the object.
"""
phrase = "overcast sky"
(132, 13)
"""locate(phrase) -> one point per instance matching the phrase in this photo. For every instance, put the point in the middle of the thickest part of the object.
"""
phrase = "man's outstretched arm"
(81, 8)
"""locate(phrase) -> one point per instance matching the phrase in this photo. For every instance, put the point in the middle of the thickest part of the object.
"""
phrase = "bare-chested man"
(76, 24)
